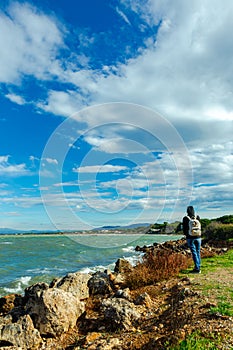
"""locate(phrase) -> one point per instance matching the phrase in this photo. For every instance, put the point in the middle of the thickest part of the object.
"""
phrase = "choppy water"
(25, 260)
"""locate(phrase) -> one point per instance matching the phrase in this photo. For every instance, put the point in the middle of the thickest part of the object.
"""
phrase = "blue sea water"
(27, 259)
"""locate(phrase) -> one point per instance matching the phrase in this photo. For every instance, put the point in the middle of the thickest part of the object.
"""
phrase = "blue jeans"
(195, 247)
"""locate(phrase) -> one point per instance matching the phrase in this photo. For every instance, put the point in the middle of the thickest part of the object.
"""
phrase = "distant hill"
(143, 224)
(10, 231)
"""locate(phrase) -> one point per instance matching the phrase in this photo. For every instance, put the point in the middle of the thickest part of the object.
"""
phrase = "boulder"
(119, 313)
(123, 293)
(144, 299)
(35, 291)
(8, 302)
(100, 283)
(74, 283)
(21, 334)
(54, 311)
(122, 265)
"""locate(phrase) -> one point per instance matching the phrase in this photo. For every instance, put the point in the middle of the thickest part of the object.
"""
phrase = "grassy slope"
(215, 282)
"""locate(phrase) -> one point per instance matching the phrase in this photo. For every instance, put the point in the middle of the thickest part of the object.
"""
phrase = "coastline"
(152, 316)
(29, 259)
(86, 234)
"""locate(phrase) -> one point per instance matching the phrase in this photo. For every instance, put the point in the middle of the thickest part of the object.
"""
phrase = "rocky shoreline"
(75, 311)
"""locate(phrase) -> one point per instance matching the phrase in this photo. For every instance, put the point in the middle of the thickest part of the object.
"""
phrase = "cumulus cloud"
(188, 83)
(16, 99)
(107, 168)
(184, 73)
(51, 161)
(31, 41)
(12, 170)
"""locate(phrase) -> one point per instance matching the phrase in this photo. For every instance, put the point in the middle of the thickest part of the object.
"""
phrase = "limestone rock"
(75, 283)
(34, 291)
(123, 293)
(119, 279)
(20, 334)
(100, 283)
(8, 302)
(119, 313)
(144, 299)
(122, 265)
(54, 311)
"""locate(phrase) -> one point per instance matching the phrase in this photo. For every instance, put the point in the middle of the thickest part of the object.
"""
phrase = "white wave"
(129, 249)
(97, 268)
(133, 260)
(19, 286)
(6, 242)
(87, 270)
(25, 280)
(46, 270)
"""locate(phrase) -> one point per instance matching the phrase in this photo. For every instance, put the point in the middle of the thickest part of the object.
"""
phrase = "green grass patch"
(212, 263)
(224, 260)
(196, 341)
(214, 287)
(223, 308)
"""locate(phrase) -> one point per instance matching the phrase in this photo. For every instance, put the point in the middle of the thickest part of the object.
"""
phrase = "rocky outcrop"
(54, 311)
(119, 313)
(8, 302)
(122, 265)
(44, 311)
(48, 311)
(180, 246)
(100, 283)
(21, 334)
(74, 283)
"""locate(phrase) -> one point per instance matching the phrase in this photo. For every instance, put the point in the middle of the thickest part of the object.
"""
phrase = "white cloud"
(185, 73)
(16, 99)
(22, 201)
(107, 168)
(123, 15)
(51, 161)
(187, 80)
(31, 41)
(62, 103)
(4, 159)
(12, 170)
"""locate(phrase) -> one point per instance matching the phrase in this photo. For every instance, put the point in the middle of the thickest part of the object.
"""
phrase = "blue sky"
(114, 112)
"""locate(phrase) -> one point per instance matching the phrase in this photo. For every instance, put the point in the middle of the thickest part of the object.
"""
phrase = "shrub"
(205, 223)
(226, 219)
(156, 267)
(218, 231)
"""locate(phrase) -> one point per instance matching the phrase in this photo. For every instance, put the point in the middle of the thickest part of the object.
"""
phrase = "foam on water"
(28, 260)
(18, 286)
(129, 249)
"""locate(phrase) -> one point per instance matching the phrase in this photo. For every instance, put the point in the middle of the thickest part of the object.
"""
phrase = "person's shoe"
(196, 271)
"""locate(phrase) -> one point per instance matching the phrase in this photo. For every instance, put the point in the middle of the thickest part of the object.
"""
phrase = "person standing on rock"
(192, 231)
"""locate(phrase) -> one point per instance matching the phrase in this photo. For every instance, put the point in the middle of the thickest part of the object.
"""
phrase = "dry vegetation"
(155, 267)
(184, 312)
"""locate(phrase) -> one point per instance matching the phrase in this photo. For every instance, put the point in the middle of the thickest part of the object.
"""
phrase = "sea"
(28, 259)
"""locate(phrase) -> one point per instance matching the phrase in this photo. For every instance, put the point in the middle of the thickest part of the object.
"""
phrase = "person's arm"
(185, 225)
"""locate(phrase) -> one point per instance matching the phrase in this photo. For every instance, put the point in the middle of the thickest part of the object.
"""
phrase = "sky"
(114, 112)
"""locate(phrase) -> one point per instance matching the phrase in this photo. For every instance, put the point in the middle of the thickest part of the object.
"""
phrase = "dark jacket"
(186, 226)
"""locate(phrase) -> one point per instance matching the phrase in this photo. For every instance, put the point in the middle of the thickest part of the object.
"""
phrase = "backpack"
(194, 227)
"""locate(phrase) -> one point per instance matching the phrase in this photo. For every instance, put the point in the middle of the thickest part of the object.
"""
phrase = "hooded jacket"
(191, 214)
